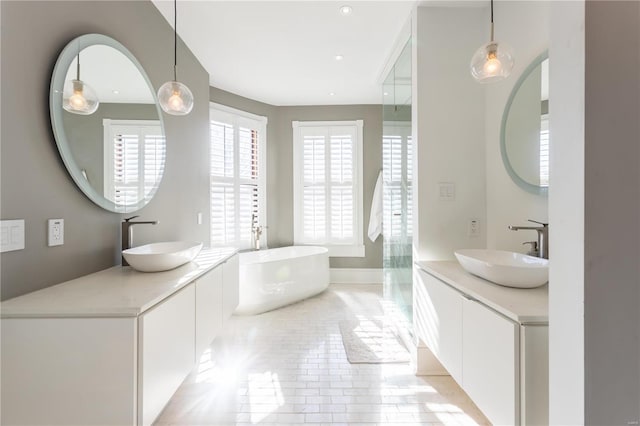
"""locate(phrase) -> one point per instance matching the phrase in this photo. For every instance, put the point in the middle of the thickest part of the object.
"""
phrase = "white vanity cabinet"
(438, 322)
(231, 290)
(209, 308)
(165, 351)
(490, 362)
(217, 296)
(69, 371)
(111, 347)
(493, 340)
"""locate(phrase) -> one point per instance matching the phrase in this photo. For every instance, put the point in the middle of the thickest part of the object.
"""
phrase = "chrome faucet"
(543, 237)
(127, 233)
(256, 232)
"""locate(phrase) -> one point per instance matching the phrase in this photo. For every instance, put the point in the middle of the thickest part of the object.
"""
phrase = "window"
(397, 174)
(544, 150)
(327, 170)
(134, 156)
(237, 177)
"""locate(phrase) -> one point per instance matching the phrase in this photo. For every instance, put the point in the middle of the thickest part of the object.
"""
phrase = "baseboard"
(356, 275)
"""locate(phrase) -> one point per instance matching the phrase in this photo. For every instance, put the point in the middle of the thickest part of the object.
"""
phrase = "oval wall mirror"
(524, 135)
(116, 155)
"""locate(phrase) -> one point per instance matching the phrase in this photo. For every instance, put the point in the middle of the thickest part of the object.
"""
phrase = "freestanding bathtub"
(277, 277)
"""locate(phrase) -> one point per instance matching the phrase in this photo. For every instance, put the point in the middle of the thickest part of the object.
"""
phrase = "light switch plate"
(56, 232)
(446, 191)
(12, 235)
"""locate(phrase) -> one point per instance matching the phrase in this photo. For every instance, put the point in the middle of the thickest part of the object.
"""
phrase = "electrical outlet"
(56, 232)
(474, 227)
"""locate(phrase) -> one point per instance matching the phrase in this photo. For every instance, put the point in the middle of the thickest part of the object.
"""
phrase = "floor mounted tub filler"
(273, 278)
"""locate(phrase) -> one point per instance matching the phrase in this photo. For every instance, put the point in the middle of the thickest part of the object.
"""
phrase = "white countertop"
(114, 292)
(526, 306)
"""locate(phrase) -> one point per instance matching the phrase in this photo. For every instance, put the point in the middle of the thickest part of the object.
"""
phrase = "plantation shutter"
(125, 167)
(544, 150)
(397, 165)
(222, 197)
(327, 184)
(314, 187)
(342, 187)
(135, 153)
(235, 178)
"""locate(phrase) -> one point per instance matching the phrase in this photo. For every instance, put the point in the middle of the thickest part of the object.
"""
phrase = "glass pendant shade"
(79, 98)
(492, 62)
(175, 98)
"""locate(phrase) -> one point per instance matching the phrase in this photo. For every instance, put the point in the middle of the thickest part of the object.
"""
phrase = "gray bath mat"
(369, 341)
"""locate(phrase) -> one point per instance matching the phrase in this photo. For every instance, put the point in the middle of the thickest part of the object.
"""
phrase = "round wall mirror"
(116, 155)
(524, 136)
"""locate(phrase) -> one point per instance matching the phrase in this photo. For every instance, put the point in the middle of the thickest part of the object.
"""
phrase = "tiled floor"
(288, 366)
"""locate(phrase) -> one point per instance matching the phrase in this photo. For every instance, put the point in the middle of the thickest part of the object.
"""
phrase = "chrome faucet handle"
(533, 249)
(539, 223)
(131, 218)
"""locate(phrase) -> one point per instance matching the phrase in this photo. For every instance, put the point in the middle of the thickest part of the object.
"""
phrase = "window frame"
(237, 118)
(356, 247)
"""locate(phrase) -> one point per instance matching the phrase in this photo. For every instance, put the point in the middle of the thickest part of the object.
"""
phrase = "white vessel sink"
(505, 267)
(158, 257)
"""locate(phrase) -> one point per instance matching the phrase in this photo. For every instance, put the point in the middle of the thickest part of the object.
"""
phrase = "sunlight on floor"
(265, 395)
(289, 366)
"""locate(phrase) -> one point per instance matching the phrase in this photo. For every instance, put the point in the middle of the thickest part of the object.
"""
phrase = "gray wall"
(612, 212)
(36, 187)
(85, 134)
(34, 183)
(280, 164)
(372, 161)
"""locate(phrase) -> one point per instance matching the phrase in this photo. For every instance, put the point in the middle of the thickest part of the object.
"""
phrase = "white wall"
(448, 126)
(566, 212)
(525, 26)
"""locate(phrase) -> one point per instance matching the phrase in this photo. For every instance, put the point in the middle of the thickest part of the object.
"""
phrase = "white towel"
(375, 218)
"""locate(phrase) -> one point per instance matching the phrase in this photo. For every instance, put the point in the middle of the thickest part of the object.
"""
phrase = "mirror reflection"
(525, 132)
(116, 155)
(397, 160)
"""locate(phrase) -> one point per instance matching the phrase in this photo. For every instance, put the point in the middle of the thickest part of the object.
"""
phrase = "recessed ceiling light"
(332, 94)
(339, 57)
(115, 92)
(386, 93)
(346, 10)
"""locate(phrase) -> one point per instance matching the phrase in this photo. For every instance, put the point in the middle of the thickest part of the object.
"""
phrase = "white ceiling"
(112, 75)
(283, 52)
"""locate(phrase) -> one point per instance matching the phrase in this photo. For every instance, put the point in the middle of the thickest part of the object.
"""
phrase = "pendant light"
(492, 61)
(77, 96)
(175, 98)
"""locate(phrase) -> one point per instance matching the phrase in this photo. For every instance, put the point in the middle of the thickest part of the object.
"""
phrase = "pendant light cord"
(491, 20)
(78, 63)
(175, 40)
(492, 11)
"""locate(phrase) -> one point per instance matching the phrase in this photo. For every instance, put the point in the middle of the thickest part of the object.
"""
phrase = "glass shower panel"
(397, 188)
